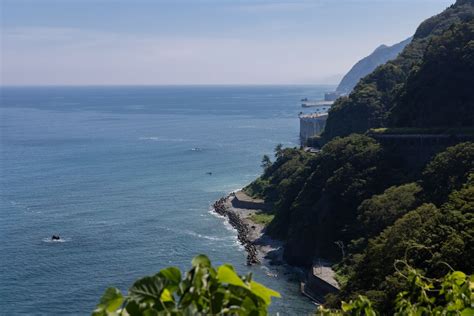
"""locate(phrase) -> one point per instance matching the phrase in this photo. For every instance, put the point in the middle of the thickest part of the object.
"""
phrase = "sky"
(168, 42)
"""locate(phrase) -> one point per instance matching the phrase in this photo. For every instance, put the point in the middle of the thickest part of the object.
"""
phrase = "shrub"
(204, 290)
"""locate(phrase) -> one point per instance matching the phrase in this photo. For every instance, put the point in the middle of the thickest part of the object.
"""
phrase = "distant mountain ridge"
(366, 65)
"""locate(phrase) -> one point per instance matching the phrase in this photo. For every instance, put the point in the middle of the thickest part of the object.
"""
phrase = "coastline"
(238, 208)
(251, 235)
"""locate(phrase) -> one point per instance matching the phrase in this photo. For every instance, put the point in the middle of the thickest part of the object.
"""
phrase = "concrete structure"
(331, 96)
(242, 200)
(311, 125)
(316, 104)
(319, 282)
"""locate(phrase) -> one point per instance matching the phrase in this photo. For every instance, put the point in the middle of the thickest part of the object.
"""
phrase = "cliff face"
(368, 64)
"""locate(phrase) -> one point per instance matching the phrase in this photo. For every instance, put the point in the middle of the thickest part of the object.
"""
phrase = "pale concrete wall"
(311, 126)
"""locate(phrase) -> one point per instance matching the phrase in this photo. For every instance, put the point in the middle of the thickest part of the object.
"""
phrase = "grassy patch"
(257, 188)
(261, 218)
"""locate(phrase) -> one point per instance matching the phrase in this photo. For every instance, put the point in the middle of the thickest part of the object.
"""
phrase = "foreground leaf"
(109, 302)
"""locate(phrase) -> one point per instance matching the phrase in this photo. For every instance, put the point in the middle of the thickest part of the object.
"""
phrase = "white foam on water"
(162, 139)
(62, 240)
(195, 234)
(155, 138)
(238, 244)
(224, 218)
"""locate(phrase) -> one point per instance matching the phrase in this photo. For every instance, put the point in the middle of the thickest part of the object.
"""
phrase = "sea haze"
(121, 174)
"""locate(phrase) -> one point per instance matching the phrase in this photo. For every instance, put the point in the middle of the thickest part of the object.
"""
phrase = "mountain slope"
(438, 93)
(369, 103)
(368, 64)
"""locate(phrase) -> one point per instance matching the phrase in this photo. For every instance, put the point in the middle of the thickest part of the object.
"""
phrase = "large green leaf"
(172, 275)
(109, 302)
(202, 261)
(226, 274)
(467, 312)
(166, 296)
(146, 289)
(264, 292)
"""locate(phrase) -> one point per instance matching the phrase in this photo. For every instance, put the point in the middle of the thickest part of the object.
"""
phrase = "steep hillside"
(438, 92)
(369, 103)
(368, 64)
(356, 202)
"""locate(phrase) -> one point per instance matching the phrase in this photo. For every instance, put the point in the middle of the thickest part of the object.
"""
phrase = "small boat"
(55, 237)
(209, 173)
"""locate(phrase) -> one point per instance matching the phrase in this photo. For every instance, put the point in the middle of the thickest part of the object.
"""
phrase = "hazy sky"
(197, 42)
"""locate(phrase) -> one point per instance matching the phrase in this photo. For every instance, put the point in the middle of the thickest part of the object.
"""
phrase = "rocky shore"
(250, 234)
(221, 208)
(238, 208)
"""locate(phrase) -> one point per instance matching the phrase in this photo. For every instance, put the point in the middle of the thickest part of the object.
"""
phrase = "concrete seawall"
(241, 200)
(320, 281)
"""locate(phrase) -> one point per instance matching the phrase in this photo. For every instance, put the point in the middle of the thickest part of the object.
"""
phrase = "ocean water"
(121, 174)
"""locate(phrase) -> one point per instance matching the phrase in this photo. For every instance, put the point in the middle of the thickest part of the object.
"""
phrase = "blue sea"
(121, 174)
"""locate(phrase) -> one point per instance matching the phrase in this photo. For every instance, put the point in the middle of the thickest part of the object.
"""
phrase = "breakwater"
(243, 230)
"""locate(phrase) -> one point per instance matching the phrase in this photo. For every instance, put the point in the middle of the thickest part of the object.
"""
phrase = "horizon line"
(164, 85)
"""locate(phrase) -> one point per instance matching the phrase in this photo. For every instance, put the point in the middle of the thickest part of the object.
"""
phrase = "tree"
(381, 211)
(204, 290)
(266, 162)
(448, 171)
(278, 150)
(448, 67)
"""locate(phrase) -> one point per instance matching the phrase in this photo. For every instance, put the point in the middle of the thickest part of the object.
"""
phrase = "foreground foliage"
(450, 295)
(204, 290)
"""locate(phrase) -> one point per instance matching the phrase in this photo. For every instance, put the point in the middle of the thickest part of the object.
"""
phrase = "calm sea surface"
(113, 171)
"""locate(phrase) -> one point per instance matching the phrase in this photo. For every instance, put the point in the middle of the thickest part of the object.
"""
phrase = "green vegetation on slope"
(315, 197)
(356, 203)
(433, 239)
(438, 91)
(347, 195)
(381, 211)
(369, 105)
(261, 217)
